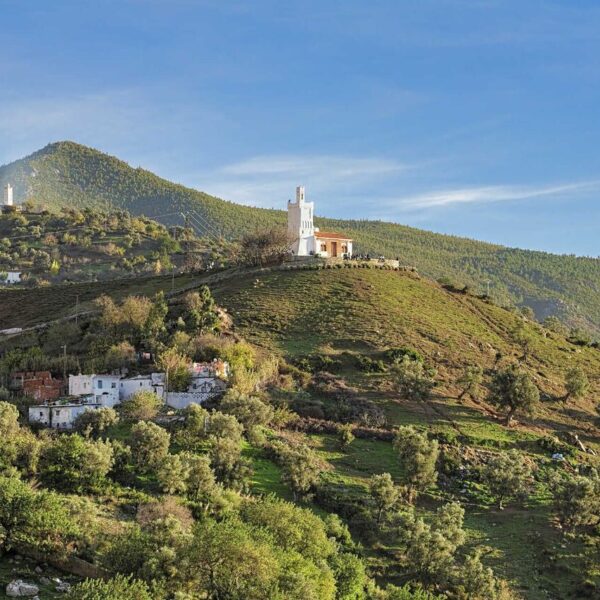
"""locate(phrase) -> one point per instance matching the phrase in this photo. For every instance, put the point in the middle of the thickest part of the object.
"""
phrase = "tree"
(142, 406)
(417, 456)
(523, 336)
(474, 581)
(576, 383)
(413, 380)
(265, 247)
(200, 477)
(293, 528)
(120, 355)
(507, 475)
(469, 381)
(345, 435)
(9, 420)
(384, 494)
(72, 462)
(301, 470)
(202, 314)
(37, 520)
(154, 327)
(513, 390)
(249, 410)
(227, 462)
(149, 445)
(121, 587)
(576, 500)
(176, 367)
(194, 430)
(429, 548)
(350, 575)
(230, 559)
(93, 422)
(172, 474)
(225, 426)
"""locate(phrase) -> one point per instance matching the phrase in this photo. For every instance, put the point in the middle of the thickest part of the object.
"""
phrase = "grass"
(363, 311)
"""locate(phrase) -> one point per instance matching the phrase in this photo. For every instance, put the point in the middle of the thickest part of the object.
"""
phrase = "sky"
(477, 118)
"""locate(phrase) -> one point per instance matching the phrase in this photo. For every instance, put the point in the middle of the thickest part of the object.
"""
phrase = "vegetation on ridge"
(66, 173)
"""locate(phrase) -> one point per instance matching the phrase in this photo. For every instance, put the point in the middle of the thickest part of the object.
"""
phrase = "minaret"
(300, 224)
(8, 195)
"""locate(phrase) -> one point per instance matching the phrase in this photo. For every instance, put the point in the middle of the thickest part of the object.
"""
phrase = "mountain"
(68, 174)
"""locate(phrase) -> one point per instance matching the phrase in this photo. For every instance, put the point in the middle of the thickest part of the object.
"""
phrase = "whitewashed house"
(13, 277)
(155, 382)
(103, 388)
(61, 415)
(208, 381)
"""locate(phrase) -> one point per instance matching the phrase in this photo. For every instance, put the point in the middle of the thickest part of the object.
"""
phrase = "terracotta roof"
(331, 236)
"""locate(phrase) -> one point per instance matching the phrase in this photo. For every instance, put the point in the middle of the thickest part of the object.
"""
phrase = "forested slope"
(66, 173)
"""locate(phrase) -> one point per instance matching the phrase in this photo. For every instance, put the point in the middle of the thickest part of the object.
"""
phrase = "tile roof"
(330, 235)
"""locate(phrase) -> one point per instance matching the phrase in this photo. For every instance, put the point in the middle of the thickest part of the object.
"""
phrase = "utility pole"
(487, 282)
(64, 347)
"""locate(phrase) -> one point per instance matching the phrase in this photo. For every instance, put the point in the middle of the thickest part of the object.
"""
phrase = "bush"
(142, 406)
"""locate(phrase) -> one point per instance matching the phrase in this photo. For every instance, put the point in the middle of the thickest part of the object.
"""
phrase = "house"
(13, 277)
(61, 414)
(155, 382)
(306, 239)
(103, 388)
(208, 381)
(39, 385)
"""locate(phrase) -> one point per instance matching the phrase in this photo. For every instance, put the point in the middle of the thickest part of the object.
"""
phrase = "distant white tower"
(8, 195)
(300, 224)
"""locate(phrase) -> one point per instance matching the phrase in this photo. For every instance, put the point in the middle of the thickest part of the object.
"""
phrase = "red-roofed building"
(307, 240)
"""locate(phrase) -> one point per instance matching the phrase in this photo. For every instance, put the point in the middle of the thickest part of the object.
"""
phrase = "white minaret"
(300, 224)
(8, 195)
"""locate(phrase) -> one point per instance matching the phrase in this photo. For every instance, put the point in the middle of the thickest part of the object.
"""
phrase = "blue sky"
(471, 117)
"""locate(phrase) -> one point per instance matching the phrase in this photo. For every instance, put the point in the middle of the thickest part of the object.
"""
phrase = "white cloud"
(496, 193)
(271, 180)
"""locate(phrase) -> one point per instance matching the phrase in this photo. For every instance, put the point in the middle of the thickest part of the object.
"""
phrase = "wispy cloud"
(270, 180)
(495, 193)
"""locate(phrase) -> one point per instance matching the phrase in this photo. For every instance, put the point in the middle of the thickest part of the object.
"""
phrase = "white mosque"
(8, 195)
(307, 240)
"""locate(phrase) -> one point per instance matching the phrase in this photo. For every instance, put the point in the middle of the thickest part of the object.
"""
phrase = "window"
(41, 414)
(99, 384)
(323, 247)
(113, 385)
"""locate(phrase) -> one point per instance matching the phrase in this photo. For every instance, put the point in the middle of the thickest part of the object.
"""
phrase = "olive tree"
(384, 494)
(514, 391)
(413, 380)
(417, 455)
(507, 475)
(576, 383)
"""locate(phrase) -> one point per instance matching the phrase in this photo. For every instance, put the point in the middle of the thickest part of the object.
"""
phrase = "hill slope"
(352, 314)
(66, 173)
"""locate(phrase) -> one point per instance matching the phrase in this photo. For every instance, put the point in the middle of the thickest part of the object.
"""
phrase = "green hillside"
(335, 325)
(66, 173)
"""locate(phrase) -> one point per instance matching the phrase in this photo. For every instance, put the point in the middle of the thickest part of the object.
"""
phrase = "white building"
(306, 239)
(103, 388)
(13, 277)
(155, 382)
(8, 195)
(208, 381)
(61, 415)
